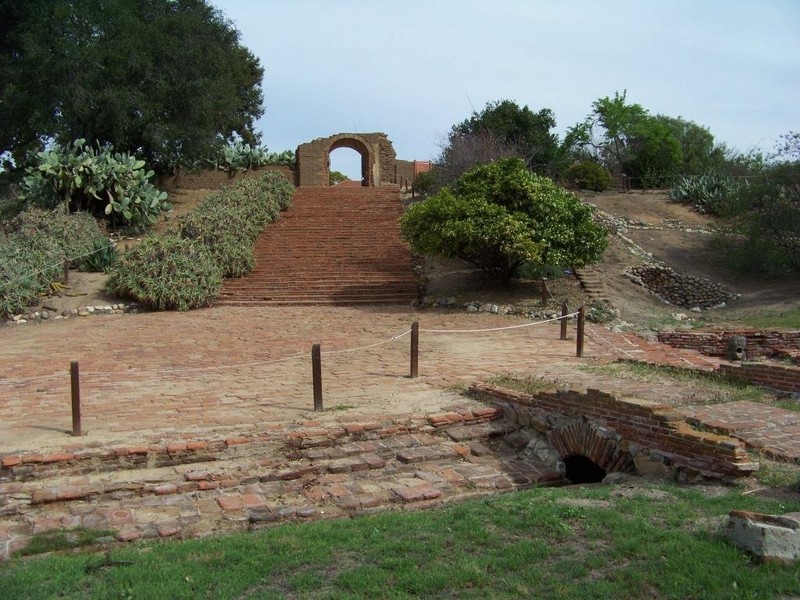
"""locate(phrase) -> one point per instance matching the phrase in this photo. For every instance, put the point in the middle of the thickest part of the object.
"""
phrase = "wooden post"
(544, 291)
(563, 320)
(414, 349)
(316, 374)
(66, 272)
(76, 398)
(581, 329)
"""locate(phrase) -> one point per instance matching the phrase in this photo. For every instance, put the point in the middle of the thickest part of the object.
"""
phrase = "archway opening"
(347, 162)
(352, 146)
(581, 469)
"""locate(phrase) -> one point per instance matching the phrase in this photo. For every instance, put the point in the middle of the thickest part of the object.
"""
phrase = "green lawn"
(659, 541)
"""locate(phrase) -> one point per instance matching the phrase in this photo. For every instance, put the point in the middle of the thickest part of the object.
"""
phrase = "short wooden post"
(76, 398)
(66, 272)
(581, 329)
(316, 374)
(544, 291)
(414, 349)
(564, 320)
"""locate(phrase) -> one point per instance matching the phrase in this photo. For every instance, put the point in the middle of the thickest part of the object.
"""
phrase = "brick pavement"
(164, 393)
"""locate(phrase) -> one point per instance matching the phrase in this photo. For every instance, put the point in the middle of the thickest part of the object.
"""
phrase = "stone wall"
(760, 343)
(681, 290)
(653, 435)
(215, 179)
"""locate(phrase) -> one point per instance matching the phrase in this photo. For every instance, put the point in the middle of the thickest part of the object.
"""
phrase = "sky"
(412, 68)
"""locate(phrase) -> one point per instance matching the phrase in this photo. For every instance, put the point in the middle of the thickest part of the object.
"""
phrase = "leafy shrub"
(424, 183)
(588, 175)
(102, 182)
(101, 258)
(33, 248)
(336, 177)
(167, 272)
(712, 194)
(229, 221)
(499, 216)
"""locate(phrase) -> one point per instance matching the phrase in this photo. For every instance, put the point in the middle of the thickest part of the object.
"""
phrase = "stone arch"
(379, 164)
(580, 438)
(359, 145)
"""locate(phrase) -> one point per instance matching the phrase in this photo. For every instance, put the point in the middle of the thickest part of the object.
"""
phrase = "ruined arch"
(582, 442)
(379, 164)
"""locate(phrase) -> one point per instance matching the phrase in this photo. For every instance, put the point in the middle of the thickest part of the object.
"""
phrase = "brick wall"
(779, 377)
(760, 343)
(645, 429)
(215, 179)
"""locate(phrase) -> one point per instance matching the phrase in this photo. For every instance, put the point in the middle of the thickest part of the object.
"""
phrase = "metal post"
(414, 349)
(76, 398)
(316, 374)
(563, 320)
(581, 329)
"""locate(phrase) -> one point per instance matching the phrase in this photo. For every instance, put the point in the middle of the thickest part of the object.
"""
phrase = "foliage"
(588, 175)
(651, 150)
(33, 248)
(527, 132)
(424, 183)
(240, 156)
(640, 540)
(712, 194)
(464, 151)
(167, 80)
(764, 232)
(114, 184)
(228, 222)
(499, 216)
(101, 257)
(183, 270)
(336, 177)
(166, 272)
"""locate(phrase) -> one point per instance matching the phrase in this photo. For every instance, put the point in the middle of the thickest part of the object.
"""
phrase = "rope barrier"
(47, 268)
(497, 328)
(392, 339)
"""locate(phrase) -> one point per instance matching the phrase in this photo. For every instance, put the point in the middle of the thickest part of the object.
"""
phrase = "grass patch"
(709, 388)
(66, 539)
(787, 320)
(778, 474)
(659, 541)
(528, 385)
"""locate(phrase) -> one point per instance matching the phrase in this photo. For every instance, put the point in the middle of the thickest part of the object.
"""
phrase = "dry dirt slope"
(680, 238)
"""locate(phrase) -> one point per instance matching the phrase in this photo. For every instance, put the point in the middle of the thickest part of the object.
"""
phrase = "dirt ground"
(673, 233)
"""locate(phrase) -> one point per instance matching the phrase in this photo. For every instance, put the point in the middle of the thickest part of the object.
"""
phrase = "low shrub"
(33, 248)
(588, 175)
(167, 272)
(712, 194)
(100, 259)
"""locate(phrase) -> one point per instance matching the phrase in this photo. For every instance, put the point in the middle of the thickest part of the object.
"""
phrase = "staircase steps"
(334, 245)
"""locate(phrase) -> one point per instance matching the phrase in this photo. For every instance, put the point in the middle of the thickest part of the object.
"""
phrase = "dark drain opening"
(583, 470)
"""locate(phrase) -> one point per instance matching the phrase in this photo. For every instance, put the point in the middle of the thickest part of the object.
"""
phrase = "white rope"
(497, 328)
(53, 266)
(381, 343)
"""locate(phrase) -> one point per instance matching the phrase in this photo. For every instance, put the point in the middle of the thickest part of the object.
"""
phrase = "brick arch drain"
(589, 452)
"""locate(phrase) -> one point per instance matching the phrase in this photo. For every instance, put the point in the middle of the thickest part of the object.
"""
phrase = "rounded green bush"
(588, 175)
(167, 272)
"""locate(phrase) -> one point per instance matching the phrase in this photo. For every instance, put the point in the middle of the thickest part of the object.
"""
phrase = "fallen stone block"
(771, 538)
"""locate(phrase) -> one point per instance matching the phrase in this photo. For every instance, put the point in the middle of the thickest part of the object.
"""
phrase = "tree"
(627, 139)
(499, 216)
(701, 154)
(165, 79)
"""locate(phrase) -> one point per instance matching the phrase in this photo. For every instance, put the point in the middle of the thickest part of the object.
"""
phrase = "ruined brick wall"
(215, 179)
(778, 377)
(760, 343)
(643, 428)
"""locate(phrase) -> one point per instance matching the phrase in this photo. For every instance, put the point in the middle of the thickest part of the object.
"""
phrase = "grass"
(709, 388)
(528, 385)
(628, 541)
(65, 539)
(788, 320)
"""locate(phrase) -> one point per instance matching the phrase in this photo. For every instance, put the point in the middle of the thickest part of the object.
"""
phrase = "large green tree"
(165, 79)
(500, 216)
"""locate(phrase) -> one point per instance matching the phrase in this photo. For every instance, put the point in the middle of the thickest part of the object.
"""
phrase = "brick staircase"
(309, 470)
(337, 245)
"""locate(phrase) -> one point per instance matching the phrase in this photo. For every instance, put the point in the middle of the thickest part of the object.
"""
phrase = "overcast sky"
(413, 68)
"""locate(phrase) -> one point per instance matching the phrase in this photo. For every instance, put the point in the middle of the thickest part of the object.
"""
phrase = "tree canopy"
(500, 216)
(165, 79)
